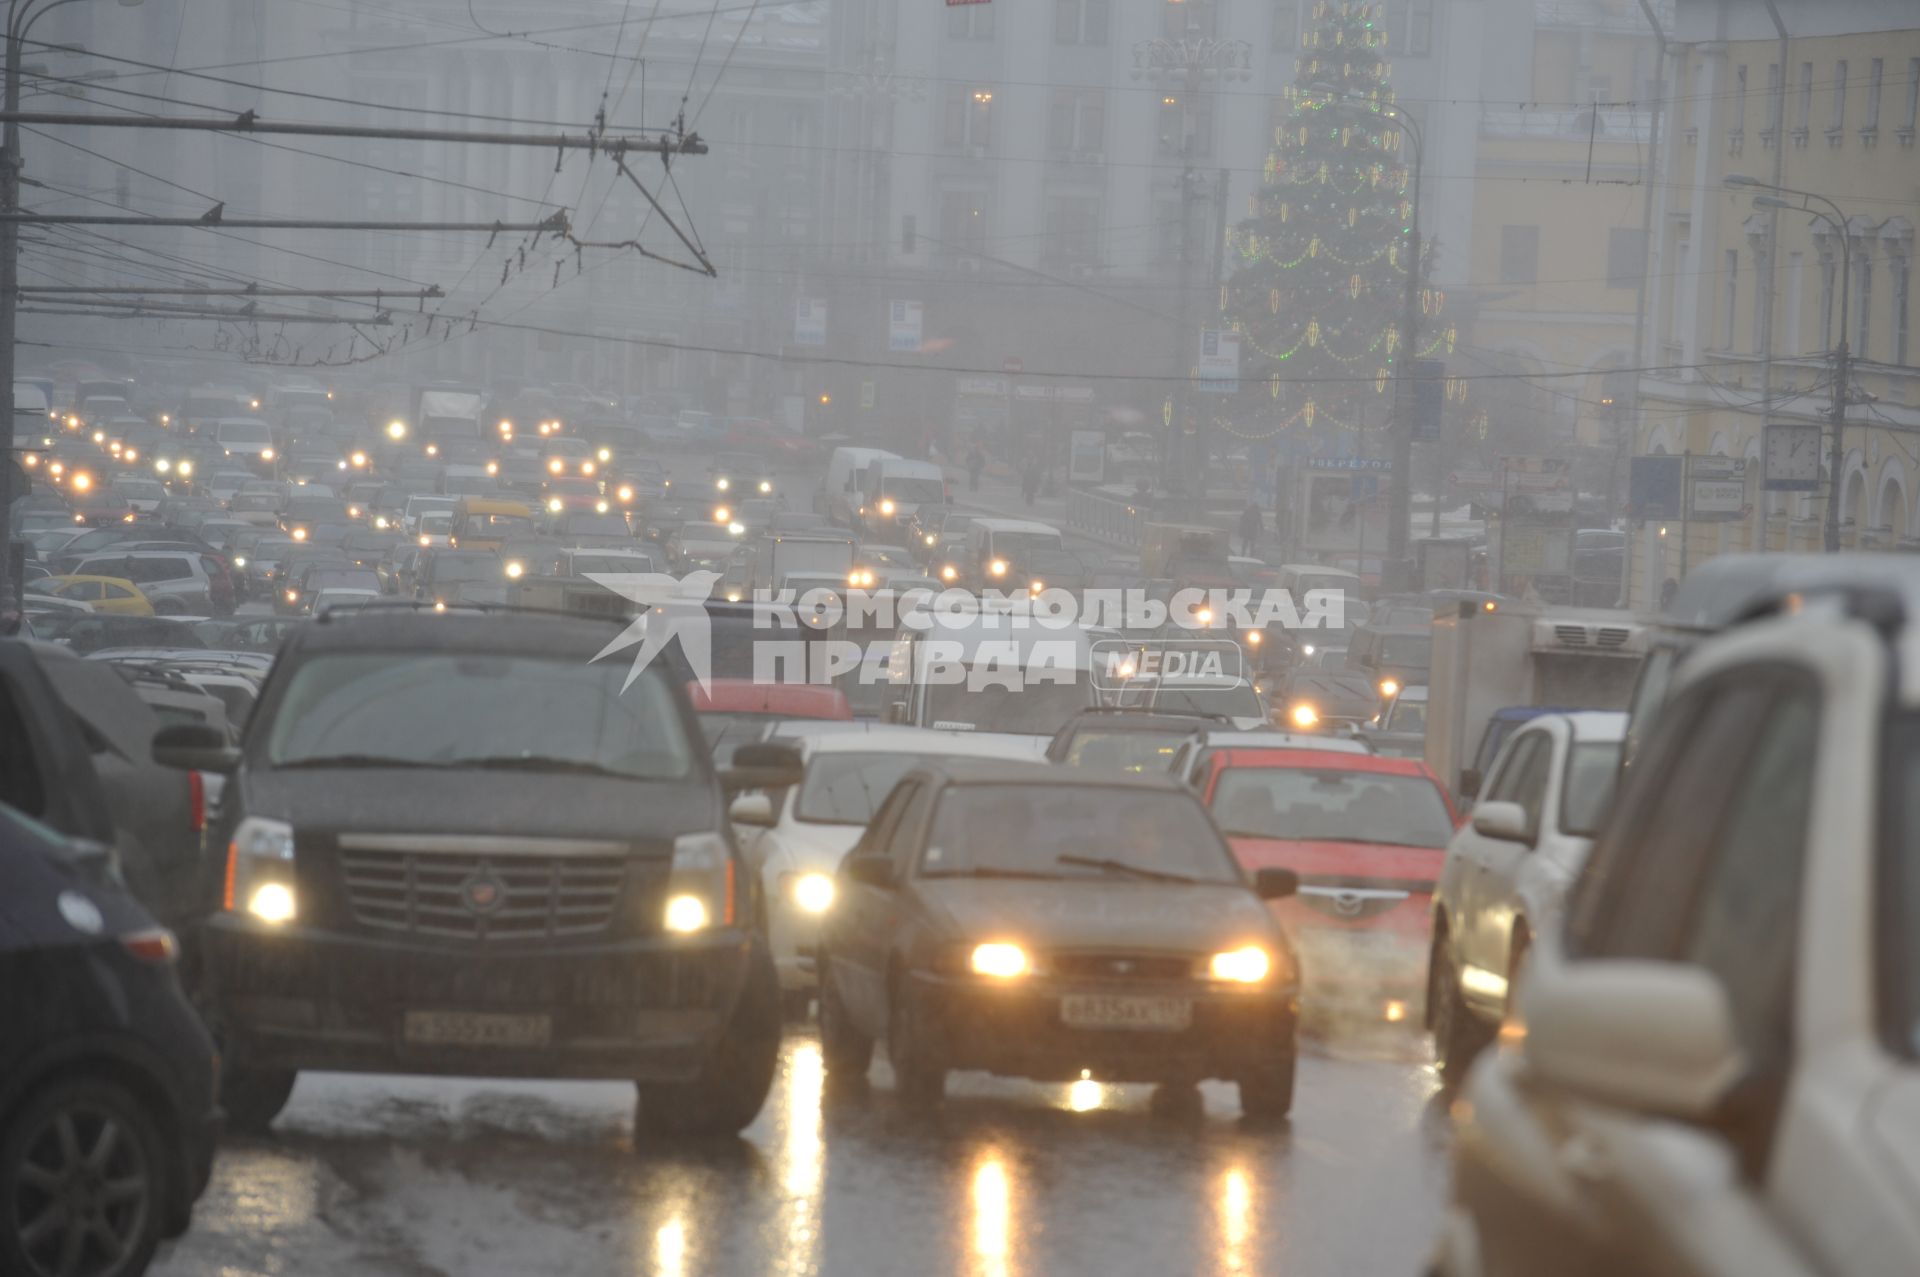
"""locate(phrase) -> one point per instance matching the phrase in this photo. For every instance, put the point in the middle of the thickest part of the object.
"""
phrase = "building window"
(1863, 306)
(1729, 298)
(1073, 229)
(1829, 263)
(1186, 128)
(1188, 19)
(1913, 96)
(1626, 256)
(1761, 294)
(1796, 280)
(1839, 120)
(1876, 74)
(1286, 25)
(1080, 22)
(969, 116)
(1739, 99)
(970, 22)
(1803, 112)
(1408, 25)
(1775, 106)
(963, 224)
(1519, 254)
(1078, 123)
(1901, 266)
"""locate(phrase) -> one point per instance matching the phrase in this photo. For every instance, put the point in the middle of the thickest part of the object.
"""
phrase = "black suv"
(457, 843)
(107, 1116)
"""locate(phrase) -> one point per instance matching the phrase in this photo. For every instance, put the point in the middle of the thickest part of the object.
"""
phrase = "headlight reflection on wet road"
(992, 1241)
(804, 1154)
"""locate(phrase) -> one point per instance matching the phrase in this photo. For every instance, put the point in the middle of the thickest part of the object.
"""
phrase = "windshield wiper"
(542, 763)
(988, 871)
(352, 760)
(1121, 866)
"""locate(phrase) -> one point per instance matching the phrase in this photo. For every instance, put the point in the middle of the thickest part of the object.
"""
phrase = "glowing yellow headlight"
(586, 468)
(722, 515)
(555, 466)
(1305, 716)
(161, 464)
(1002, 961)
(887, 506)
(353, 512)
(625, 493)
(813, 892)
(556, 505)
(298, 534)
(358, 458)
(1036, 587)
(186, 467)
(605, 454)
(380, 522)
(931, 540)
(266, 454)
(735, 528)
(396, 430)
(433, 450)
(766, 485)
(82, 481)
(1255, 638)
(506, 427)
(516, 569)
(949, 573)
(686, 914)
(723, 483)
(1242, 966)
(1389, 686)
(425, 539)
(493, 467)
(998, 567)
(273, 902)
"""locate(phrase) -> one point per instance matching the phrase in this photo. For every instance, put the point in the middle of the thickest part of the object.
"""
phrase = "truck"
(1491, 658)
(788, 553)
(446, 411)
(1191, 554)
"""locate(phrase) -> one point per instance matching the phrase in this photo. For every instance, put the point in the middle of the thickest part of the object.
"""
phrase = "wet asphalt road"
(413, 1176)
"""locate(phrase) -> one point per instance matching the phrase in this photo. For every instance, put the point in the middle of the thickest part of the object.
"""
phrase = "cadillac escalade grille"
(483, 897)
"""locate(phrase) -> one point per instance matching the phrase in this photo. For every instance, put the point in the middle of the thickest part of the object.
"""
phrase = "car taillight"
(196, 802)
(156, 947)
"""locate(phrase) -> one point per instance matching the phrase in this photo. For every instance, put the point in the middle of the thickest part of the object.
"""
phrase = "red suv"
(1367, 835)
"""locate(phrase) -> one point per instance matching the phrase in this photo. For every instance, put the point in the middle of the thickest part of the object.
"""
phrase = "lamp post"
(21, 15)
(1187, 64)
(1842, 360)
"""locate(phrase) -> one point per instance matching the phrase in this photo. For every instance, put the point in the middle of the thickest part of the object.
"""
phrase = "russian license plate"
(1121, 1011)
(469, 1028)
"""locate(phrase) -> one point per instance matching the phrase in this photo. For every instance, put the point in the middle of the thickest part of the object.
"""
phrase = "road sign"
(810, 321)
(1218, 370)
(1653, 487)
(904, 323)
(1716, 487)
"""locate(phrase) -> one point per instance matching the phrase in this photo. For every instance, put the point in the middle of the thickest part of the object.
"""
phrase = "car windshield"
(585, 563)
(844, 789)
(726, 731)
(501, 525)
(1407, 651)
(1016, 545)
(917, 491)
(1134, 751)
(245, 432)
(1307, 804)
(452, 710)
(1236, 701)
(1037, 710)
(1591, 768)
(1073, 831)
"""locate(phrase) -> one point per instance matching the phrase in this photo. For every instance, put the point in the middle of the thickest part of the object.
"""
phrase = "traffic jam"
(332, 771)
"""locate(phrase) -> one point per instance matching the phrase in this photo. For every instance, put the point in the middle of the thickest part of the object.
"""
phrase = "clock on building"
(1792, 458)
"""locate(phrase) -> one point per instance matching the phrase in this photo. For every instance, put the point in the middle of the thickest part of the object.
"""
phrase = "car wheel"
(844, 1049)
(732, 1085)
(252, 1098)
(1457, 1035)
(1267, 1094)
(919, 1075)
(82, 1183)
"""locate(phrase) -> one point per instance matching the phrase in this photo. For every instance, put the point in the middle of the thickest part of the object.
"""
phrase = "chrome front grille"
(470, 896)
(1352, 902)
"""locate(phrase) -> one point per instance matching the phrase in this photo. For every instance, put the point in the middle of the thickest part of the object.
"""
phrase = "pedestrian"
(1668, 588)
(1251, 528)
(976, 462)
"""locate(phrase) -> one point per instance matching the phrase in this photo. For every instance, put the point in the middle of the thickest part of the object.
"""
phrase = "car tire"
(47, 1149)
(919, 1072)
(252, 1098)
(1266, 1095)
(1458, 1036)
(732, 1085)
(845, 1051)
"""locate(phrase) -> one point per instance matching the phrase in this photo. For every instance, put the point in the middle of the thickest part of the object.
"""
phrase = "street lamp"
(1842, 362)
(21, 15)
(1190, 63)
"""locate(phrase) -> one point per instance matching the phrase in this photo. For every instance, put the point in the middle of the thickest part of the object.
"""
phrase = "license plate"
(1117, 1011)
(467, 1028)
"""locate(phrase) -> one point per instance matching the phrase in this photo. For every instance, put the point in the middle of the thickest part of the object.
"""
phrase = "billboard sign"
(1218, 370)
(810, 321)
(905, 320)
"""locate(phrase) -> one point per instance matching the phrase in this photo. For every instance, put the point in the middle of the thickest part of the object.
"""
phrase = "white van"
(892, 492)
(996, 548)
(247, 440)
(839, 495)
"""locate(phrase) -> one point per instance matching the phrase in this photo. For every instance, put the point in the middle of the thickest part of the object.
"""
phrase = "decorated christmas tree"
(1319, 269)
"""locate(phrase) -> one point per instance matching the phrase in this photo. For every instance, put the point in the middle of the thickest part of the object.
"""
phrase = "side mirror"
(1657, 1037)
(1275, 884)
(1469, 782)
(1505, 821)
(194, 747)
(754, 809)
(760, 765)
(870, 869)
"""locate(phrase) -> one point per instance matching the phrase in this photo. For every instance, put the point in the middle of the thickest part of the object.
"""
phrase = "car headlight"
(737, 528)
(358, 458)
(425, 539)
(1250, 965)
(625, 493)
(555, 504)
(515, 570)
(1389, 686)
(930, 540)
(887, 507)
(160, 463)
(813, 892)
(266, 454)
(1304, 716)
(949, 573)
(601, 507)
(766, 485)
(723, 484)
(353, 512)
(1255, 638)
(998, 567)
(605, 454)
(1035, 587)
(293, 596)
(260, 870)
(721, 514)
(700, 885)
(381, 523)
(1306, 649)
(1001, 961)
(396, 430)
(239, 560)
(186, 467)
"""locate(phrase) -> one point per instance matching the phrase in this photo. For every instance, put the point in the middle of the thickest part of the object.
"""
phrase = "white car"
(798, 836)
(1508, 869)
(1716, 1063)
(342, 599)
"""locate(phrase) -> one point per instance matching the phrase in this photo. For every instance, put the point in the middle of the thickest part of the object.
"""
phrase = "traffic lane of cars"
(385, 1174)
